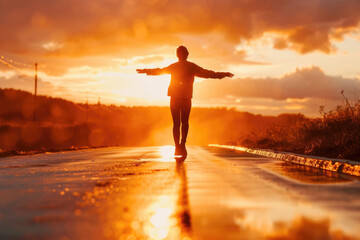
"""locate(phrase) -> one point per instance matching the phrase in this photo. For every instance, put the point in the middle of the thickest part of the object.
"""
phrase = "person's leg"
(175, 113)
(185, 114)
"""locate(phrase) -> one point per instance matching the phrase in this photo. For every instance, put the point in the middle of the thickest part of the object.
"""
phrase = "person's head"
(182, 53)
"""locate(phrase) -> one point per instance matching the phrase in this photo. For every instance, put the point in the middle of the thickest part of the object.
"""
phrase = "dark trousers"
(180, 112)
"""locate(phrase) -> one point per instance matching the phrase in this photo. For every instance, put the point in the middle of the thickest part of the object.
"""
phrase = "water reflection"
(162, 224)
(183, 207)
(307, 228)
(262, 224)
(307, 174)
(284, 220)
(169, 216)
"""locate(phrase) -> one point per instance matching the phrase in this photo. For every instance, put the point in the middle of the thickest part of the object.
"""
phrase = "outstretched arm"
(152, 71)
(204, 73)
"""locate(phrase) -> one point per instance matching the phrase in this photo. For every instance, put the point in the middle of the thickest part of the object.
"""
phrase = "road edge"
(335, 165)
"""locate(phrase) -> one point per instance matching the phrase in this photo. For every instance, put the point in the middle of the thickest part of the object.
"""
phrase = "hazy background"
(62, 124)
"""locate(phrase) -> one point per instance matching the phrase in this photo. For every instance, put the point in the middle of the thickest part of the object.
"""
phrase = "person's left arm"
(204, 73)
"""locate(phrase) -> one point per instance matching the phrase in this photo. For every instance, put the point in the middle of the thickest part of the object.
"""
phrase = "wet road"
(141, 193)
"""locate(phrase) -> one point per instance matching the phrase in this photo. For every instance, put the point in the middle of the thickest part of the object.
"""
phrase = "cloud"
(216, 52)
(306, 228)
(148, 59)
(309, 82)
(94, 27)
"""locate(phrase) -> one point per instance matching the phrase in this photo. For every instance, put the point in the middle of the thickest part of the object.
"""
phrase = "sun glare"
(167, 153)
(162, 221)
(155, 88)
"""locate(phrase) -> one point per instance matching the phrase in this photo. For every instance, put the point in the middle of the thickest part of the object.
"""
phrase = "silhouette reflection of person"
(180, 91)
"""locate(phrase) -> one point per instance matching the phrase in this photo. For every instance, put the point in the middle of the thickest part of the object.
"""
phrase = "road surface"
(141, 193)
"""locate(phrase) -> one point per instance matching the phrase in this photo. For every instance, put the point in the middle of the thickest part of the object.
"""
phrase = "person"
(180, 91)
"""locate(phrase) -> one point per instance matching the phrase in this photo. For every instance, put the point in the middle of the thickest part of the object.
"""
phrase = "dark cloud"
(308, 39)
(280, 43)
(90, 27)
(309, 82)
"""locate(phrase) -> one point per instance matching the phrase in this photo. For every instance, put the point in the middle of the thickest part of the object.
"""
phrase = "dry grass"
(335, 134)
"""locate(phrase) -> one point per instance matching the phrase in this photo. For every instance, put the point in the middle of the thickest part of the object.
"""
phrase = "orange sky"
(287, 55)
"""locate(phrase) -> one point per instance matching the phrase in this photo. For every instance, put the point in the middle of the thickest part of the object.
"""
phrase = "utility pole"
(34, 113)
(98, 110)
(87, 107)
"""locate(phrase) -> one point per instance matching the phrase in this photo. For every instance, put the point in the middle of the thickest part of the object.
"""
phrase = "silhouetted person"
(180, 91)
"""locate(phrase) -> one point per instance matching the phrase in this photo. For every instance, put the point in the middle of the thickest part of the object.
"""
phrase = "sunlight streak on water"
(162, 222)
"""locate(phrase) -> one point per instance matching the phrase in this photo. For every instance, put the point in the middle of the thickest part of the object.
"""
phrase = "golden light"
(167, 153)
(162, 221)
(155, 88)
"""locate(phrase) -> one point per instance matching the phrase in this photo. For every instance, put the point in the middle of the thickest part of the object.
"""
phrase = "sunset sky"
(287, 55)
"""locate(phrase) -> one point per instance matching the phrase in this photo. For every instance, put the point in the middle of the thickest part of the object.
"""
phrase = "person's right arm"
(150, 71)
(154, 71)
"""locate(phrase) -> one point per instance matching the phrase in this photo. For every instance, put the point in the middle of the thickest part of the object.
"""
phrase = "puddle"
(307, 174)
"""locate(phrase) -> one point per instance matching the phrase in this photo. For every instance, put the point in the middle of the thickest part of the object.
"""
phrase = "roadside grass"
(336, 134)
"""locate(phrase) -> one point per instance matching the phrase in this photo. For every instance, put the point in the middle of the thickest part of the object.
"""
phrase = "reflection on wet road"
(308, 174)
(183, 211)
(141, 193)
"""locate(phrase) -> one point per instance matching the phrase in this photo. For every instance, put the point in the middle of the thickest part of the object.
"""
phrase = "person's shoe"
(178, 151)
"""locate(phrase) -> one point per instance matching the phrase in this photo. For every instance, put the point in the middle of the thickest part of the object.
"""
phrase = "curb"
(335, 165)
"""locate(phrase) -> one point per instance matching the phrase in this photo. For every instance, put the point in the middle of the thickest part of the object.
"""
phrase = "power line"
(21, 66)
(9, 65)
(12, 62)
